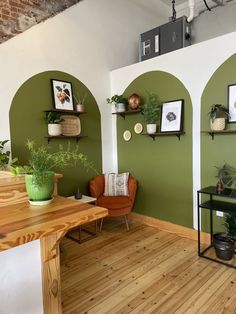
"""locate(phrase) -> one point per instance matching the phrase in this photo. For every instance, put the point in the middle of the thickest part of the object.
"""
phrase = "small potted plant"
(119, 101)
(151, 112)
(80, 102)
(54, 120)
(218, 114)
(39, 175)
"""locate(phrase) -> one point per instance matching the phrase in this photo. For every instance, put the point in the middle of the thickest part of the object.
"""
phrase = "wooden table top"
(22, 223)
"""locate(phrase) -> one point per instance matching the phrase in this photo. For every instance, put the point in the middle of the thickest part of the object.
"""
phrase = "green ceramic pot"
(40, 192)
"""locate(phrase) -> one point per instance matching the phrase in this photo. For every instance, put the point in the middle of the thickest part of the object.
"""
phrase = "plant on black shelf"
(227, 174)
(218, 111)
(53, 117)
(151, 109)
(117, 99)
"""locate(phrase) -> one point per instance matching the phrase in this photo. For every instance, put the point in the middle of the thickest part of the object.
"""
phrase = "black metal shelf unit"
(214, 205)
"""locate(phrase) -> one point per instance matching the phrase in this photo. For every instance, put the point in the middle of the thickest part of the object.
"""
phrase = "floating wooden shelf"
(65, 111)
(127, 112)
(153, 136)
(213, 133)
(76, 137)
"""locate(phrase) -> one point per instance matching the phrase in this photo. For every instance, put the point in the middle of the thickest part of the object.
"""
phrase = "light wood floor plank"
(142, 271)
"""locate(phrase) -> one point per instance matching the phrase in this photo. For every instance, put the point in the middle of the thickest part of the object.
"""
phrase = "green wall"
(27, 121)
(163, 167)
(222, 148)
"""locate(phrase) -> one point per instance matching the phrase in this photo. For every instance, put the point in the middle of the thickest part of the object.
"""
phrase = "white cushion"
(116, 184)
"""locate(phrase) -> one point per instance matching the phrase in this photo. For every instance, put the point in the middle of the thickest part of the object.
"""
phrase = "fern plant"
(4, 155)
(151, 109)
(42, 161)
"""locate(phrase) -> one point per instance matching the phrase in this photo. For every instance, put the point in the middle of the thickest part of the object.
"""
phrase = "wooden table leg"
(50, 255)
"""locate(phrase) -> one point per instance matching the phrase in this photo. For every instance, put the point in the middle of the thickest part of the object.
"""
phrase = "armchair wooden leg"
(126, 222)
(101, 223)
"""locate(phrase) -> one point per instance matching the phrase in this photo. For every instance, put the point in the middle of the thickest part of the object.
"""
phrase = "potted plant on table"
(54, 120)
(218, 114)
(119, 101)
(39, 175)
(151, 112)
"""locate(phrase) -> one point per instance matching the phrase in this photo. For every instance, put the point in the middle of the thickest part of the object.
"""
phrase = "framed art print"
(172, 116)
(232, 103)
(62, 95)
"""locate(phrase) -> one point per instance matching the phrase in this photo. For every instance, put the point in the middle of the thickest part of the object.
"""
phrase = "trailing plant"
(4, 155)
(117, 99)
(53, 117)
(41, 161)
(218, 111)
(151, 109)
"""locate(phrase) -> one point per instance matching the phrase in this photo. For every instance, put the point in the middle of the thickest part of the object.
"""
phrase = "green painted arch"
(163, 167)
(222, 149)
(27, 121)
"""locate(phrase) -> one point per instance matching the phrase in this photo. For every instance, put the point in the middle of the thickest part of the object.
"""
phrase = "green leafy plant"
(230, 224)
(53, 117)
(218, 111)
(4, 155)
(151, 109)
(227, 174)
(41, 161)
(117, 99)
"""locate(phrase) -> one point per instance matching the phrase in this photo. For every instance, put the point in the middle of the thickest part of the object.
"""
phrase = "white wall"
(86, 41)
(193, 66)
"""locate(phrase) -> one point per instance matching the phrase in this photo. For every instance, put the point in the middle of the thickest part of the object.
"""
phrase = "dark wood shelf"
(213, 133)
(65, 111)
(153, 136)
(76, 137)
(127, 112)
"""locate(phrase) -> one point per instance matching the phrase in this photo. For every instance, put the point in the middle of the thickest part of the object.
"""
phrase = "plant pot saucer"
(41, 203)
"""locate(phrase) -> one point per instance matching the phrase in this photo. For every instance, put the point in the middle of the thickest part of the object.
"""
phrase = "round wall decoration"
(138, 128)
(127, 135)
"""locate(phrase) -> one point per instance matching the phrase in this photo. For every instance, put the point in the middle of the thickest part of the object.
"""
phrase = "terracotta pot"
(134, 101)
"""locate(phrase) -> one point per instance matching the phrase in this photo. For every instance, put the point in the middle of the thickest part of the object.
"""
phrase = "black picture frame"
(172, 113)
(231, 100)
(62, 95)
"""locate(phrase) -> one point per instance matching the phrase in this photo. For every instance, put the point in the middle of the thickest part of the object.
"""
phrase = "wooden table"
(21, 223)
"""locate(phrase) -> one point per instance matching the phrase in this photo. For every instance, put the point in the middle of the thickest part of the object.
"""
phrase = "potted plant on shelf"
(80, 102)
(39, 175)
(4, 155)
(119, 101)
(54, 120)
(151, 112)
(218, 114)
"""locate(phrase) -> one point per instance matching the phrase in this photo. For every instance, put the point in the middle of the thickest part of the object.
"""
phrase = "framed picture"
(232, 103)
(172, 116)
(62, 95)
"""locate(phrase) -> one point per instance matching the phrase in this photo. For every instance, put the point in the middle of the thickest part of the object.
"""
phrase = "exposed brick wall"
(18, 15)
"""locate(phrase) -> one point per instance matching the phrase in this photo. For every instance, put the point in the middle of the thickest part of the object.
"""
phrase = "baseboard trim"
(170, 227)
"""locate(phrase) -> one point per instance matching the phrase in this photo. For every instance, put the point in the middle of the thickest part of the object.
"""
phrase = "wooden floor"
(142, 271)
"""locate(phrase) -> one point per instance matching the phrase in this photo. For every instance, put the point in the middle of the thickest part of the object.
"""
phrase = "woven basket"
(218, 124)
(70, 126)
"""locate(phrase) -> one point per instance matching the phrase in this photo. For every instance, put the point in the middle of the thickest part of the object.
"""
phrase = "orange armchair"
(116, 205)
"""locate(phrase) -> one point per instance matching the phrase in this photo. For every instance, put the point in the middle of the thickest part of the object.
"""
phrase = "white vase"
(120, 107)
(80, 108)
(218, 124)
(54, 129)
(151, 128)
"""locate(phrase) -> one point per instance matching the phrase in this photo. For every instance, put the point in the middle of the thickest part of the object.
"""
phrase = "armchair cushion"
(114, 202)
(116, 184)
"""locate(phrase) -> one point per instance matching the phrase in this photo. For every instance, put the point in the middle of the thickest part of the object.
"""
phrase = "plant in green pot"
(151, 112)
(218, 114)
(54, 120)
(39, 174)
(119, 101)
